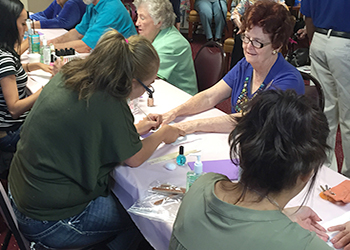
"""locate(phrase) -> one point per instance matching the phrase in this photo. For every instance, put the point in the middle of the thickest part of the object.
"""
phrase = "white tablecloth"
(39, 78)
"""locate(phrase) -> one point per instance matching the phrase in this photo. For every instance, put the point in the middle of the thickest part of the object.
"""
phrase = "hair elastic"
(126, 40)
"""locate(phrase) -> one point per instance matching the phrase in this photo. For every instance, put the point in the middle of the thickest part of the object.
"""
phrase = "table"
(39, 78)
(131, 184)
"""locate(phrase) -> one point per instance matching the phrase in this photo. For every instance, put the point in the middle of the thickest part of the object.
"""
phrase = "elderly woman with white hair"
(155, 22)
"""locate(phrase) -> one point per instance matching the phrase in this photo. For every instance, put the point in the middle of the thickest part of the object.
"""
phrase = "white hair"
(159, 10)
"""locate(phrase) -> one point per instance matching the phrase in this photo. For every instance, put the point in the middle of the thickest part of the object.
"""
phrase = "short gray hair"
(159, 10)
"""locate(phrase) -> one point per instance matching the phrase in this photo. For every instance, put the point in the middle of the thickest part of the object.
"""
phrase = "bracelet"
(27, 67)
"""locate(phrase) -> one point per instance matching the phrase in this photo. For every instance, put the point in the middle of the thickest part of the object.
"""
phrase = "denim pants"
(103, 218)
(207, 9)
(9, 142)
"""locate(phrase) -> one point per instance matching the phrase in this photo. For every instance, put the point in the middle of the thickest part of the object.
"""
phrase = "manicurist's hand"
(170, 133)
(57, 66)
(307, 219)
(342, 239)
(151, 122)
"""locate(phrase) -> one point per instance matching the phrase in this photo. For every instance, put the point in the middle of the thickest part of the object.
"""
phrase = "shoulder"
(286, 76)
(208, 178)
(106, 5)
(240, 68)
(171, 39)
(7, 57)
(284, 68)
(73, 3)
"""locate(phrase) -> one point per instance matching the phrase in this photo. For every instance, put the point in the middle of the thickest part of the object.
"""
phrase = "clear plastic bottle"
(195, 174)
(46, 52)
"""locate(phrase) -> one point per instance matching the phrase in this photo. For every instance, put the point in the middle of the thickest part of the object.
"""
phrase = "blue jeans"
(9, 142)
(207, 9)
(103, 218)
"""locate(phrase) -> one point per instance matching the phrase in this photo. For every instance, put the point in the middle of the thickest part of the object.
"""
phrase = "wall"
(36, 5)
(25, 2)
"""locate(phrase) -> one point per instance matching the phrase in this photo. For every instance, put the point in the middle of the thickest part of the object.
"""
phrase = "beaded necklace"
(243, 97)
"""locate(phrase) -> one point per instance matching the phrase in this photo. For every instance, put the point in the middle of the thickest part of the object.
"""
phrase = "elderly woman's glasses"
(255, 43)
(150, 90)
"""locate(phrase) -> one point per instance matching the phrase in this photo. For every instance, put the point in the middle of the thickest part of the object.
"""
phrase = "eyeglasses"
(255, 43)
(150, 90)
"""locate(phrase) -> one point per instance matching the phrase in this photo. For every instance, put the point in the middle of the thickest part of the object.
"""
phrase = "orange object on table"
(340, 192)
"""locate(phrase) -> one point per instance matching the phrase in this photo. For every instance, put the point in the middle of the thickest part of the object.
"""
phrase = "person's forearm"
(71, 35)
(310, 28)
(37, 25)
(220, 124)
(24, 105)
(78, 45)
(31, 67)
(236, 18)
(198, 103)
(149, 145)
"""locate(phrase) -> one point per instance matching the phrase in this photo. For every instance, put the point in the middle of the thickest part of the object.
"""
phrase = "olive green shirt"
(176, 63)
(67, 149)
(205, 222)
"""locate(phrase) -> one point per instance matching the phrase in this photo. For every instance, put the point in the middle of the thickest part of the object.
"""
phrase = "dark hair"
(281, 138)
(112, 65)
(273, 18)
(10, 12)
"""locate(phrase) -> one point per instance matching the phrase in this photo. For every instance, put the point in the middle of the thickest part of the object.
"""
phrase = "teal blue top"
(205, 222)
(106, 14)
(176, 63)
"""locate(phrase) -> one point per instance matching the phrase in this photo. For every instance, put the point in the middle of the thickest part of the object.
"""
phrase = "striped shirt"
(11, 65)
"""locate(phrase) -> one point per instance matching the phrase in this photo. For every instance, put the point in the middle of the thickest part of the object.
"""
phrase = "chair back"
(313, 90)
(209, 64)
(10, 219)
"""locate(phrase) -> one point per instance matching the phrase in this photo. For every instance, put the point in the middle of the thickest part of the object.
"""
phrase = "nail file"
(170, 156)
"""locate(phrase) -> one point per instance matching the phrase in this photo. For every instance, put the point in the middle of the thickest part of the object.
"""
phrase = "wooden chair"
(313, 90)
(228, 47)
(194, 20)
(209, 64)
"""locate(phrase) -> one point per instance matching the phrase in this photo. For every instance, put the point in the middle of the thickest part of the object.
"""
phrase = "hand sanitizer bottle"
(46, 52)
(181, 159)
(194, 175)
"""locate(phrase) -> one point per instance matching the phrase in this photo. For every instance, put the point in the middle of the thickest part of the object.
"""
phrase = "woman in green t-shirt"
(78, 131)
(281, 145)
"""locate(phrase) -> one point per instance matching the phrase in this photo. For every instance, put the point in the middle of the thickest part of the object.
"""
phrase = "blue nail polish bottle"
(181, 159)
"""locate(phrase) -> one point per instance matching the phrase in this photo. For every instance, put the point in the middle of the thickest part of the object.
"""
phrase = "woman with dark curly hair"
(281, 144)
(266, 27)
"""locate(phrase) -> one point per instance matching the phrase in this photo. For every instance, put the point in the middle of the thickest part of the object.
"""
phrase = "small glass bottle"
(150, 100)
(181, 159)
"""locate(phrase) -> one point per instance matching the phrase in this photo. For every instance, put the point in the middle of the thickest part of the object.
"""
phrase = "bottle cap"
(198, 165)
(181, 150)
